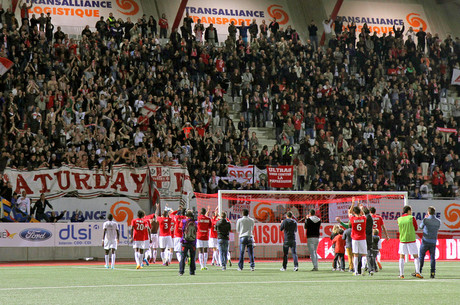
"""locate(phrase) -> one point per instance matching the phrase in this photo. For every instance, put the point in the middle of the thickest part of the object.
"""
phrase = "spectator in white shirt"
(23, 203)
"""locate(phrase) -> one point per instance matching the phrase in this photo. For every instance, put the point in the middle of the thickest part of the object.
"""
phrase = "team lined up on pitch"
(179, 232)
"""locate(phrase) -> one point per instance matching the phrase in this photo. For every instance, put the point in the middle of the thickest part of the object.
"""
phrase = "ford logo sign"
(35, 234)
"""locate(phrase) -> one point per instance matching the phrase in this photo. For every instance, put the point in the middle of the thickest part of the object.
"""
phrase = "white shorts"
(166, 242)
(154, 243)
(201, 243)
(213, 243)
(359, 246)
(177, 244)
(408, 248)
(380, 243)
(140, 244)
(110, 244)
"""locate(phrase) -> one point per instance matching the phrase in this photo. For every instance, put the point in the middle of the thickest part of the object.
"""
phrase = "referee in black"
(289, 227)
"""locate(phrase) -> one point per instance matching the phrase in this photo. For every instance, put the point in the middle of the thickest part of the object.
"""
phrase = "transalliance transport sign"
(382, 16)
(78, 13)
(222, 13)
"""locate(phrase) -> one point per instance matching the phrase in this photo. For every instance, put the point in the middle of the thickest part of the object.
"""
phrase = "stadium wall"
(441, 17)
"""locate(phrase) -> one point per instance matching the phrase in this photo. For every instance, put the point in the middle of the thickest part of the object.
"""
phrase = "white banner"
(240, 173)
(221, 13)
(382, 16)
(56, 235)
(446, 210)
(85, 234)
(26, 235)
(73, 15)
(455, 77)
(172, 182)
(96, 209)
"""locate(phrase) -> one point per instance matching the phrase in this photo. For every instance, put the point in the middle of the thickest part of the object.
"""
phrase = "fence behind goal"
(268, 208)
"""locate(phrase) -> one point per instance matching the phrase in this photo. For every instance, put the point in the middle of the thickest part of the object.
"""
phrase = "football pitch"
(156, 284)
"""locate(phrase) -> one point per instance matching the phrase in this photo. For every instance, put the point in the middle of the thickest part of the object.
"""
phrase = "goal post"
(268, 208)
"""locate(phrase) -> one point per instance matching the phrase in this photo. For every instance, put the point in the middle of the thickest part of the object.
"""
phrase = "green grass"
(93, 284)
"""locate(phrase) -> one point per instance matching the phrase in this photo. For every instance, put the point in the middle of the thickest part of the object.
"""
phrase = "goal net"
(268, 209)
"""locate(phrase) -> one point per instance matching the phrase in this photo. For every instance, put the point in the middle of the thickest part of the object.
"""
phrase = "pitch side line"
(209, 283)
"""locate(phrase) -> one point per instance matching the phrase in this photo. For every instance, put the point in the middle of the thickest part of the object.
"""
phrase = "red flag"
(280, 176)
(5, 65)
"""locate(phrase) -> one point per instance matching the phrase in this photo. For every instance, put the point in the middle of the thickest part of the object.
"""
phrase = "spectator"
(313, 33)
(39, 208)
(164, 26)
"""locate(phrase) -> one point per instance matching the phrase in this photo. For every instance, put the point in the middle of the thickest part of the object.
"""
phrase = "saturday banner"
(172, 182)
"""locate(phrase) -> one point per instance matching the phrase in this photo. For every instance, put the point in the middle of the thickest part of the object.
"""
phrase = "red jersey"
(339, 244)
(358, 227)
(140, 229)
(177, 219)
(204, 224)
(213, 233)
(165, 225)
(172, 228)
(378, 223)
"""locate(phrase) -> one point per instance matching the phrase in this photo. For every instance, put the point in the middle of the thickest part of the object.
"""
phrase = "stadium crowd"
(361, 113)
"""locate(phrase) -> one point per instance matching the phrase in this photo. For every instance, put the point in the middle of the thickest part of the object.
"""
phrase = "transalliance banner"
(249, 174)
(171, 182)
(221, 13)
(56, 235)
(456, 77)
(280, 176)
(382, 16)
(446, 210)
(96, 209)
(75, 14)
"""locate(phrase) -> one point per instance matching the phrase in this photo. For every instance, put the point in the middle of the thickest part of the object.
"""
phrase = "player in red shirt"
(213, 239)
(379, 225)
(148, 254)
(358, 233)
(140, 237)
(164, 223)
(171, 232)
(177, 217)
(204, 224)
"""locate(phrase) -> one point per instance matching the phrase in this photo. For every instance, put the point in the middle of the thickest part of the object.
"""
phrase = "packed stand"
(360, 113)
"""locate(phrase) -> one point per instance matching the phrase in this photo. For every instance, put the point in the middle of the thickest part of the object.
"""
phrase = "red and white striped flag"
(5, 65)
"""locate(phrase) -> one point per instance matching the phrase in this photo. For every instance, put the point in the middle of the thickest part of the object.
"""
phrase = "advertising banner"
(56, 235)
(96, 209)
(170, 181)
(85, 234)
(269, 234)
(26, 235)
(73, 15)
(382, 16)
(446, 210)
(280, 176)
(222, 13)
